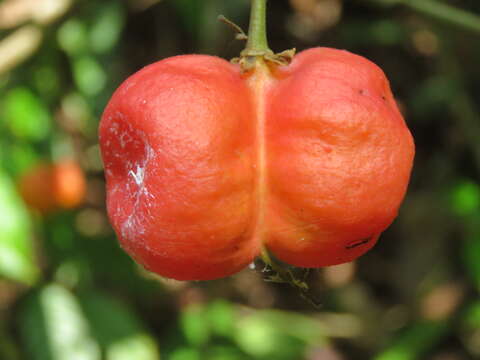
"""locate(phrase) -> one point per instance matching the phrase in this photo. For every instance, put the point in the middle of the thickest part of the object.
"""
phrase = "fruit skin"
(347, 152)
(205, 164)
(48, 187)
(177, 144)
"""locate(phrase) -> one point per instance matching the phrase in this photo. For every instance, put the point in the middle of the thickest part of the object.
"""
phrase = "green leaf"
(184, 353)
(89, 76)
(26, 115)
(471, 316)
(191, 12)
(471, 257)
(53, 327)
(107, 26)
(47, 80)
(277, 334)
(194, 324)
(16, 249)
(383, 32)
(224, 352)
(414, 341)
(431, 95)
(72, 37)
(8, 348)
(221, 316)
(20, 157)
(386, 32)
(466, 198)
(118, 330)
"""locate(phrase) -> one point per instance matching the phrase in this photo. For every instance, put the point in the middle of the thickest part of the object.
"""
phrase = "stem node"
(257, 44)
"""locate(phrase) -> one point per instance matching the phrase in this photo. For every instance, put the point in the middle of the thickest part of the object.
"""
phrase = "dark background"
(67, 291)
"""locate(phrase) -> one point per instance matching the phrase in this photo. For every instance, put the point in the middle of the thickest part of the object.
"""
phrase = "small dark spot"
(384, 98)
(236, 247)
(357, 243)
(361, 91)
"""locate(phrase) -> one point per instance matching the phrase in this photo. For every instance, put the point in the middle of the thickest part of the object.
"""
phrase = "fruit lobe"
(205, 165)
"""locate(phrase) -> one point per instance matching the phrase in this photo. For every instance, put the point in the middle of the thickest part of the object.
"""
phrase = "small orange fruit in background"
(47, 187)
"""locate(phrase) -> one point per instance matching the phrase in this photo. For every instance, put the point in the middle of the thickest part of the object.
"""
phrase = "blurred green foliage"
(16, 249)
(67, 291)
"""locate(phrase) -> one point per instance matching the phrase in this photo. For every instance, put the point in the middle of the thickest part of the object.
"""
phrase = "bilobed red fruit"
(48, 187)
(205, 164)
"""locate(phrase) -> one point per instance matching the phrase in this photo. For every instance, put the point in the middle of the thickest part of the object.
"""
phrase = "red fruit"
(52, 186)
(206, 164)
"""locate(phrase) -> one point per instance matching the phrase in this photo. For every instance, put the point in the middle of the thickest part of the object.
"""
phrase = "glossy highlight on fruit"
(206, 164)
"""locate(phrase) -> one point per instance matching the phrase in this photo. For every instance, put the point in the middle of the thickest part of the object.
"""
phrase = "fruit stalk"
(257, 43)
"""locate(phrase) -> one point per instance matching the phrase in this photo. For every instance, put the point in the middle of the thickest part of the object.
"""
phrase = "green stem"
(440, 11)
(257, 51)
(257, 32)
(285, 275)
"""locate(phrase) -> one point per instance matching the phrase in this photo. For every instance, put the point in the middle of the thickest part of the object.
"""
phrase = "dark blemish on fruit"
(384, 98)
(361, 92)
(357, 243)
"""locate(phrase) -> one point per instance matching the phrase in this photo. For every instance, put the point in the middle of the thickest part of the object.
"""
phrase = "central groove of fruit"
(258, 83)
